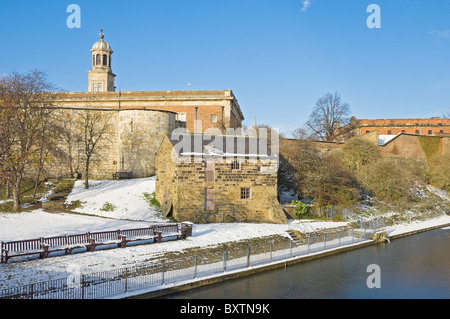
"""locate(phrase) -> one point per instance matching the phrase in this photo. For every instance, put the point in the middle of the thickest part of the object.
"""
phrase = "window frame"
(235, 164)
(245, 193)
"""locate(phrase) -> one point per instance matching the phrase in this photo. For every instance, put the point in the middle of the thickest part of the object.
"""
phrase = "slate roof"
(221, 146)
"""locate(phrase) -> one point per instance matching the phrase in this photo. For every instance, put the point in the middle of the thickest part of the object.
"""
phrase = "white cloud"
(306, 4)
(441, 34)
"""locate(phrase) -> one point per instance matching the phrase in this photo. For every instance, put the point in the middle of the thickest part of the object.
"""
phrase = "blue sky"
(278, 57)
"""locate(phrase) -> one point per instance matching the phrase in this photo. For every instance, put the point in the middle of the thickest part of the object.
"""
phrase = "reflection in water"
(417, 266)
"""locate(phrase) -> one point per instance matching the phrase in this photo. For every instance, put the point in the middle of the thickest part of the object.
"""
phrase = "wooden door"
(209, 197)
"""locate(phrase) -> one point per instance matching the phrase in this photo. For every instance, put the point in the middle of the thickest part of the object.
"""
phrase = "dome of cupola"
(102, 44)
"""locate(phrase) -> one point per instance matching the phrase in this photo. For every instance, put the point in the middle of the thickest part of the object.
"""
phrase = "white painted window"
(181, 117)
(97, 87)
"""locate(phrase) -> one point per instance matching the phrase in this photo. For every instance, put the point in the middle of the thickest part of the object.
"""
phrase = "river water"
(413, 267)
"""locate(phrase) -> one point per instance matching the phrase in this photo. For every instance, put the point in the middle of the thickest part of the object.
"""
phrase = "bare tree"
(68, 137)
(329, 119)
(25, 112)
(93, 126)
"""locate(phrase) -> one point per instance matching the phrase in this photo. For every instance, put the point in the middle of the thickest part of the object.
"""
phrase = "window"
(105, 59)
(417, 132)
(209, 176)
(98, 59)
(214, 118)
(245, 192)
(389, 132)
(403, 131)
(430, 132)
(181, 117)
(235, 164)
(97, 87)
(441, 131)
(367, 132)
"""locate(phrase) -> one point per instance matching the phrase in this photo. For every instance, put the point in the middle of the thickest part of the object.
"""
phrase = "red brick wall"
(437, 126)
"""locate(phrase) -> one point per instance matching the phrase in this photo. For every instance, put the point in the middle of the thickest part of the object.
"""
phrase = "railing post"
(324, 241)
(339, 238)
(82, 286)
(270, 249)
(195, 267)
(126, 280)
(248, 257)
(308, 247)
(225, 261)
(290, 248)
(162, 273)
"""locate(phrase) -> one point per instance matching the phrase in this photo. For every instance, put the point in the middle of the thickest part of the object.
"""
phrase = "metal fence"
(153, 276)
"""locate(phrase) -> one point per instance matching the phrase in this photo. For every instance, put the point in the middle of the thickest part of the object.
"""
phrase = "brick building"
(434, 126)
(214, 108)
(140, 118)
(217, 179)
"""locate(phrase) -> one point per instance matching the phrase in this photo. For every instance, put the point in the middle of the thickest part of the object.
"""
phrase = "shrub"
(301, 209)
(388, 181)
(319, 176)
(108, 207)
(358, 152)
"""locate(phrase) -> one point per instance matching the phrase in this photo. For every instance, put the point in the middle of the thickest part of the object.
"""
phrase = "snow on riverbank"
(131, 211)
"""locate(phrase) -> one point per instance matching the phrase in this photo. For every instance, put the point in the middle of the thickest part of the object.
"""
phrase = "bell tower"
(101, 78)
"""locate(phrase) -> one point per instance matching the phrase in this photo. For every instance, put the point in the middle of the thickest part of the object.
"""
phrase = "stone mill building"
(204, 178)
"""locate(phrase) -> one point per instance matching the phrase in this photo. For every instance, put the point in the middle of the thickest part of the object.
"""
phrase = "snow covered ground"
(131, 211)
(127, 197)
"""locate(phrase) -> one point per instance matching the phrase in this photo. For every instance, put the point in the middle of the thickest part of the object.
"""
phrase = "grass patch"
(151, 200)
(108, 207)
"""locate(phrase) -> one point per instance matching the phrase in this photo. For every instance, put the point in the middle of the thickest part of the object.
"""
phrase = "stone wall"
(140, 134)
(130, 144)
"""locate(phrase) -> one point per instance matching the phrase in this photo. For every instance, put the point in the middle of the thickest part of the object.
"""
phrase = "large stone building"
(203, 178)
(434, 126)
(139, 119)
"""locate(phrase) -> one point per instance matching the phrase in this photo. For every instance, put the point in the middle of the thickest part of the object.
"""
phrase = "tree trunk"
(8, 189)
(36, 183)
(86, 176)
(16, 195)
